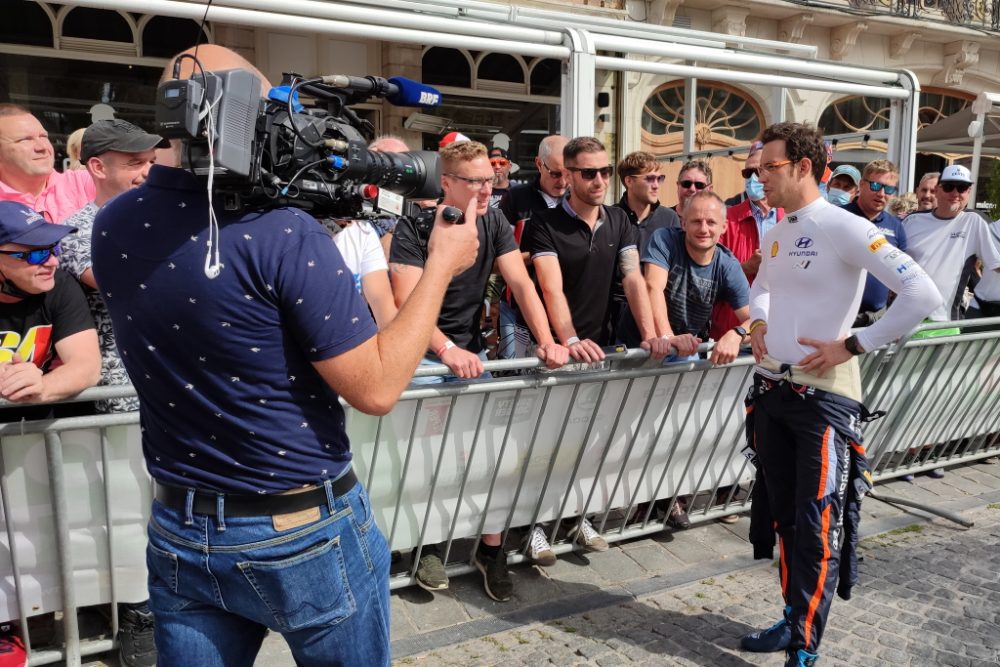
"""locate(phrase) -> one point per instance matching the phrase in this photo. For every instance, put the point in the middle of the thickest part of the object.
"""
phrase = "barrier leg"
(944, 514)
(60, 507)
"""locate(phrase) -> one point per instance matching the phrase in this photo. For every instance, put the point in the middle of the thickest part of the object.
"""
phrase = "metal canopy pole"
(578, 86)
(902, 140)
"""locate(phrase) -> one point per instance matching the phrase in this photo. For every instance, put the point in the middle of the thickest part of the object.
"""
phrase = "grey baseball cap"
(118, 135)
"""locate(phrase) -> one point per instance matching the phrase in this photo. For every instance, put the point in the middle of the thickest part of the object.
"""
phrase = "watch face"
(741, 331)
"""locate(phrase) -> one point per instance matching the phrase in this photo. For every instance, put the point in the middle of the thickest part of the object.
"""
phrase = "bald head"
(388, 143)
(552, 145)
(551, 172)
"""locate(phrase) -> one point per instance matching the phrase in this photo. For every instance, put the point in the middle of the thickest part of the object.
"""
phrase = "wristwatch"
(852, 345)
(741, 331)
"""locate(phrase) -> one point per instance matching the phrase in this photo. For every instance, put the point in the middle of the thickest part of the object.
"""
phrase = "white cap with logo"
(955, 173)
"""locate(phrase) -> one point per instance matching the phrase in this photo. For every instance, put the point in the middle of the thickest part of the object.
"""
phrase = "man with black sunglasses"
(947, 240)
(43, 316)
(879, 184)
(694, 176)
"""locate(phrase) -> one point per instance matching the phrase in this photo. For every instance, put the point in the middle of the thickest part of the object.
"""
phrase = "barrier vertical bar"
(434, 479)
(112, 570)
(465, 479)
(552, 464)
(527, 462)
(375, 451)
(496, 469)
(60, 508)
(406, 470)
(15, 567)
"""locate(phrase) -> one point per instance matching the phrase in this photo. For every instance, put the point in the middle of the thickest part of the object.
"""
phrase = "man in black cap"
(500, 161)
(118, 156)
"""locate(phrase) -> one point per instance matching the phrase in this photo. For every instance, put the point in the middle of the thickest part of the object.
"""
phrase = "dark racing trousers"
(802, 438)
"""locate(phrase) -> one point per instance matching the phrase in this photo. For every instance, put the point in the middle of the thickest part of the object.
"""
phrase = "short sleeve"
(68, 308)
(538, 238)
(502, 233)
(988, 250)
(75, 249)
(318, 298)
(736, 285)
(372, 254)
(406, 247)
(629, 237)
(901, 235)
(658, 250)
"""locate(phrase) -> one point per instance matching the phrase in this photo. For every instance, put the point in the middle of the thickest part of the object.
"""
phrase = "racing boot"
(773, 639)
(801, 658)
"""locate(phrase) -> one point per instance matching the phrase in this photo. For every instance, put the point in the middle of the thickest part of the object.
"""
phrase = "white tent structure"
(973, 131)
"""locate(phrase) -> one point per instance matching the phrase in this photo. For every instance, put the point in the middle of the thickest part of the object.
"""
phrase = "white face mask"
(838, 197)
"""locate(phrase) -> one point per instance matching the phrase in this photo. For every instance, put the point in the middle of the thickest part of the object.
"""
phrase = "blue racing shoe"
(775, 638)
(801, 658)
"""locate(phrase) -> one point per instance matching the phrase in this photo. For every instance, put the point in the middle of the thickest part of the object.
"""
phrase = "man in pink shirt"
(27, 168)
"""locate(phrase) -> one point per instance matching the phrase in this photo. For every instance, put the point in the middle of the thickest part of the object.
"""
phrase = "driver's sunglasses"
(553, 174)
(499, 162)
(950, 186)
(750, 171)
(590, 173)
(34, 257)
(878, 187)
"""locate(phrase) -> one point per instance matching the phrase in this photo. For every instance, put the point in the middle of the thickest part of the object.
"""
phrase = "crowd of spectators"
(577, 275)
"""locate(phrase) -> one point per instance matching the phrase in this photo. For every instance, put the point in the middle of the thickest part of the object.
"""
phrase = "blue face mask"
(754, 188)
(838, 197)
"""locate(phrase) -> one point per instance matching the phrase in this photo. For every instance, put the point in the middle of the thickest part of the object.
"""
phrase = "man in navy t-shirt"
(879, 184)
(240, 339)
(687, 273)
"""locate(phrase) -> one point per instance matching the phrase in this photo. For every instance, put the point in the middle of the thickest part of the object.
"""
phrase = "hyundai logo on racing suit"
(803, 242)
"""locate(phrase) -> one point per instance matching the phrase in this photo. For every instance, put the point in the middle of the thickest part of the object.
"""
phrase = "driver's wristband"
(444, 348)
(755, 324)
(572, 340)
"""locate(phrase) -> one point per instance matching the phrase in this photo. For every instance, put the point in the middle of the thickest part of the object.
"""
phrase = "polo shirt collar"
(569, 209)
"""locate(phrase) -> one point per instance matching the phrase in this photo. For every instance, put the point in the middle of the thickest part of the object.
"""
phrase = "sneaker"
(800, 658)
(678, 518)
(992, 461)
(907, 478)
(496, 576)
(12, 653)
(936, 473)
(775, 638)
(584, 534)
(135, 635)
(539, 549)
(431, 575)
(729, 519)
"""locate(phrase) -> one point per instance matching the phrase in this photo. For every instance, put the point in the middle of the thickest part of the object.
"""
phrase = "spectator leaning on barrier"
(27, 168)
(458, 341)
(879, 183)
(927, 191)
(694, 176)
(239, 377)
(746, 223)
(804, 410)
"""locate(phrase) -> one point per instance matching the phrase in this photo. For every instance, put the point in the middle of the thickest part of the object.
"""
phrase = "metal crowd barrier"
(620, 442)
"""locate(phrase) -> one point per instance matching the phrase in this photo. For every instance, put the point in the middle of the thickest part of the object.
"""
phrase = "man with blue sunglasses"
(43, 314)
(879, 184)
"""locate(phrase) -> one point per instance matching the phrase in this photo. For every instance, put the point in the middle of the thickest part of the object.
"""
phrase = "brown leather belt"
(244, 504)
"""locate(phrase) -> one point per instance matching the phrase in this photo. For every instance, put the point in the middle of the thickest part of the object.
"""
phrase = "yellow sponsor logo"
(877, 243)
(774, 249)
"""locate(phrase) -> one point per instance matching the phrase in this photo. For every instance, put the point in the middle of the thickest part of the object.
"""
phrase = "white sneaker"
(585, 535)
(539, 549)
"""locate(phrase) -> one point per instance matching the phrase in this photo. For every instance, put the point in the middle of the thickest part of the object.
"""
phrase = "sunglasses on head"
(750, 171)
(698, 185)
(590, 173)
(878, 187)
(949, 186)
(499, 162)
(34, 257)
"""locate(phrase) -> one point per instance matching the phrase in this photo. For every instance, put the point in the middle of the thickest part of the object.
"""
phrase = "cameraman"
(259, 521)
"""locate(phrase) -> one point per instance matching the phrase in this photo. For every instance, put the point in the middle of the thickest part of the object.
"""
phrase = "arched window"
(857, 113)
(446, 67)
(546, 77)
(26, 23)
(89, 23)
(725, 115)
(500, 67)
(166, 36)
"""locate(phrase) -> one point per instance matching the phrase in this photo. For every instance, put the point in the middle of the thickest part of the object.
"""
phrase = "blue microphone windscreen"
(413, 93)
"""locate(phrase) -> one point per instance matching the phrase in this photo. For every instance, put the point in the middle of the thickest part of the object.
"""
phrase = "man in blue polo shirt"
(240, 339)
(879, 184)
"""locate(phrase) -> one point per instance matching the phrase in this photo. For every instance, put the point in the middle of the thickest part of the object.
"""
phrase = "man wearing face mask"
(879, 183)
(843, 185)
(746, 224)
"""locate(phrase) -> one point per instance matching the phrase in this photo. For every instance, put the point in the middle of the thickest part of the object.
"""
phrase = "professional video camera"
(266, 152)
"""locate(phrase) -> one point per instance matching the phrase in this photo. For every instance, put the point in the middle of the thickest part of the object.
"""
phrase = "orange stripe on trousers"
(823, 454)
(821, 580)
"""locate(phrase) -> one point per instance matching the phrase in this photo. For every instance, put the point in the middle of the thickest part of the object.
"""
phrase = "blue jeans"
(217, 583)
(505, 332)
(439, 379)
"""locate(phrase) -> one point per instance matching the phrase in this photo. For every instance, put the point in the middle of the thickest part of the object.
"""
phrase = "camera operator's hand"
(553, 354)
(455, 245)
(463, 364)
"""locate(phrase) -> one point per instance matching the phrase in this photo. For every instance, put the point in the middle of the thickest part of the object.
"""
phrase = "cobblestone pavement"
(929, 595)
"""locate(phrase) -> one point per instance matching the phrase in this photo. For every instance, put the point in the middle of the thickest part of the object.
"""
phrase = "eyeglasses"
(476, 183)
(698, 185)
(34, 257)
(771, 166)
(951, 186)
(499, 162)
(590, 173)
(652, 179)
(750, 171)
(556, 175)
(878, 187)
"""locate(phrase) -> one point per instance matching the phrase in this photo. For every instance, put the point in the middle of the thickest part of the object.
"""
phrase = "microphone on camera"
(398, 90)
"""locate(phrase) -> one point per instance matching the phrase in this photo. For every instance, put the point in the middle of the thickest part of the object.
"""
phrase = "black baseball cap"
(496, 151)
(118, 135)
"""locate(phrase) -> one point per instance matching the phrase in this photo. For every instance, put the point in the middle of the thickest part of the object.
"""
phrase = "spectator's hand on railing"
(586, 351)
(21, 381)
(827, 355)
(757, 342)
(463, 364)
(659, 347)
(553, 354)
(456, 245)
(726, 349)
(685, 344)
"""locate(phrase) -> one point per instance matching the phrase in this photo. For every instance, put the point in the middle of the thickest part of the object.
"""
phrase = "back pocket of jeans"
(162, 567)
(310, 588)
